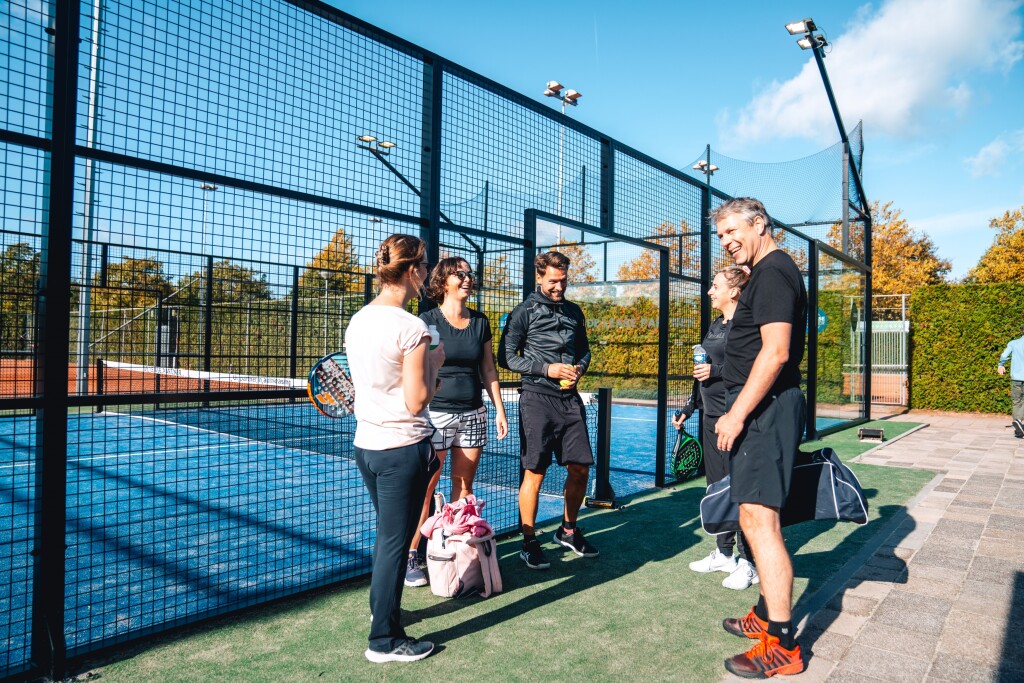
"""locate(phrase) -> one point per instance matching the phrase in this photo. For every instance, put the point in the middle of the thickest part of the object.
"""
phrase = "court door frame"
(530, 250)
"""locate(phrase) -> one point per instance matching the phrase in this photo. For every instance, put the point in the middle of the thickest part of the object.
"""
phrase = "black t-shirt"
(712, 390)
(775, 294)
(461, 382)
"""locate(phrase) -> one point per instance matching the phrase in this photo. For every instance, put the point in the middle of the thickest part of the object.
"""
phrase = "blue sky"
(939, 85)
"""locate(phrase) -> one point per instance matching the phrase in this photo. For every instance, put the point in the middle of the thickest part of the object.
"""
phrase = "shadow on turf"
(871, 550)
(642, 532)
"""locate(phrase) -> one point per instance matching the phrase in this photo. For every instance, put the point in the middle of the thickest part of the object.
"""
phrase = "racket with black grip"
(687, 454)
(330, 386)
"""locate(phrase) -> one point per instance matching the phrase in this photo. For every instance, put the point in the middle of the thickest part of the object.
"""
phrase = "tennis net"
(129, 378)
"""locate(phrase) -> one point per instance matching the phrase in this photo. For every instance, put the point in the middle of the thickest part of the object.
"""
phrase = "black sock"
(568, 526)
(761, 609)
(528, 537)
(783, 630)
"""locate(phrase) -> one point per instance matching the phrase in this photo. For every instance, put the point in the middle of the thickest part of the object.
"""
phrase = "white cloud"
(889, 69)
(994, 157)
(958, 222)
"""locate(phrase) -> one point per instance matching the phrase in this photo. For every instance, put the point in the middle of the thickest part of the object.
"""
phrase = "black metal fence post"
(664, 306)
(812, 340)
(602, 469)
(293, 333)
(48, 647)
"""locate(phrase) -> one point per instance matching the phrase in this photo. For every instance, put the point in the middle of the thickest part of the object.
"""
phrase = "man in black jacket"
(545, 341)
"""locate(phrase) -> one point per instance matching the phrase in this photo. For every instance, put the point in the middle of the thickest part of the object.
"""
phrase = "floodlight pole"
(570, 97)
(816, 43)
(380, 150)
(207, 188)
(708, 169)
(89, 208)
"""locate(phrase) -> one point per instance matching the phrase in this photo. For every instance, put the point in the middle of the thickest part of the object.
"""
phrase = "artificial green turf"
(635, 613)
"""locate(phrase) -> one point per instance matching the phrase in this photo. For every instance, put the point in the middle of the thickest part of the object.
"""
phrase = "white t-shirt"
(377, 340)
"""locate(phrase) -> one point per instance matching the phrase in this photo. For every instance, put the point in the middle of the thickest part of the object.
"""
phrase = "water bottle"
(435, 336)
(700, 356)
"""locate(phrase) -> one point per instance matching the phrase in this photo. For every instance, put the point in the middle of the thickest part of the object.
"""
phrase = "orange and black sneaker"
(767, 658)
(750, 626)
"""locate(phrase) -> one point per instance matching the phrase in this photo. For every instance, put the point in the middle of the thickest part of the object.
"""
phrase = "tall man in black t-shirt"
(545, 341)
(763, 425)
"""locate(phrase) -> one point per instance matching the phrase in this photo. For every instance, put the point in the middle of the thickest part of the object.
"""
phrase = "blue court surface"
(176, 514)
(179, 513)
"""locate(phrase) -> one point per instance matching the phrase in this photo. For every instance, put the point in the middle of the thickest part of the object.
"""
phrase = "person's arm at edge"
(419, 375)
(1004, 357)
(583, 362)
(511, 345)
(489, 374)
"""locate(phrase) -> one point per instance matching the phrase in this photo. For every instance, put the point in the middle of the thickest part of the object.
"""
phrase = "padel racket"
(686, 456)
(330, 386)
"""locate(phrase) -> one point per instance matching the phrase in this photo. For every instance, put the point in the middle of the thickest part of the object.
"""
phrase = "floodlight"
(699, 166)
(208, 186)
(554, 86)
(712, 168)
(571, 96)
(805, 43)
(805, 26)
(387, 144)
(366, 138)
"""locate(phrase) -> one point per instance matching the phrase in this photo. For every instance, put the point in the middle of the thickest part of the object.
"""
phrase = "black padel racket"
(330, 386)
(686, 456)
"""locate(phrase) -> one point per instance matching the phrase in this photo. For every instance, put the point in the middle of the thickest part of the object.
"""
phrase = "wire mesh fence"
(192, 197)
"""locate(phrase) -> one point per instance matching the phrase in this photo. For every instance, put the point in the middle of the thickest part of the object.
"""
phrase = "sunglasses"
(464, 274)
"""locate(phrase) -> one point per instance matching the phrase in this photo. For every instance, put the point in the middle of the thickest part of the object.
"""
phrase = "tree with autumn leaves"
(1004, 260)
(582, 266)
(338, 260)
(903, 258)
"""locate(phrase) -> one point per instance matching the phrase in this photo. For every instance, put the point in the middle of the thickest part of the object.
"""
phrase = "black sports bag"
(822, 488)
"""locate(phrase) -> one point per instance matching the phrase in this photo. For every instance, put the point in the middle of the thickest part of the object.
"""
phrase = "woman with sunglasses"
(395, 373)
(457, 409)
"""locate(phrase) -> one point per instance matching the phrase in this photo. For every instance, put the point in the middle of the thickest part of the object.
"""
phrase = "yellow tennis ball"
(566, 382)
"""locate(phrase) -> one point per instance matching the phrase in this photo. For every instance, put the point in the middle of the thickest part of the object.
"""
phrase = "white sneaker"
(715, 562)
(744, 576)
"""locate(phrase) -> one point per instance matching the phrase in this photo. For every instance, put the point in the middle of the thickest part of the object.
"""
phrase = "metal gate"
(890, 336)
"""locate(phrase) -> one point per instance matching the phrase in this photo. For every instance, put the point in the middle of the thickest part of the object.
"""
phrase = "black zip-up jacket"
(540, 332)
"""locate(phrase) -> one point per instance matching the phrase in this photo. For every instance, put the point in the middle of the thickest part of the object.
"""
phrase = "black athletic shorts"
(761, 466)
(553, 424)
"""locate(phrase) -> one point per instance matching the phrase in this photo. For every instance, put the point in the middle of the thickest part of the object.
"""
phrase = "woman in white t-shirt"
(395, 375)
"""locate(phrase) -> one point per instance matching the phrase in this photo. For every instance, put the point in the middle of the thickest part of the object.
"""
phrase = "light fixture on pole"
(816, 43)
(326, 275)
(570, 97)
(372, 144)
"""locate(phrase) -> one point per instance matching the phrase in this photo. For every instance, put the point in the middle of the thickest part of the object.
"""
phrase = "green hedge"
(957, 334)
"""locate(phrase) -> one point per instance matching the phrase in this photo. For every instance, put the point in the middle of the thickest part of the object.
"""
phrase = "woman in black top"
(457, 408)
(724, 293)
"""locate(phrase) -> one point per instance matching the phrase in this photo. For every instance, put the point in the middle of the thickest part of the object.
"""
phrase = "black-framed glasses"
(464, 274)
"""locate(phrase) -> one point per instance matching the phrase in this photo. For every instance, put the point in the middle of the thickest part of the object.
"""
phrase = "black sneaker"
(533, 555)
(409, 651)
(575, 542)
(1018, 429)
(414, 574)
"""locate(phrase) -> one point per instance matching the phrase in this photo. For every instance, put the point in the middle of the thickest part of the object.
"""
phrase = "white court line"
(238, 439)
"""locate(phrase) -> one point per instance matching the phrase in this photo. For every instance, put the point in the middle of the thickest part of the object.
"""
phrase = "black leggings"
(716, 466)
(396, 480)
